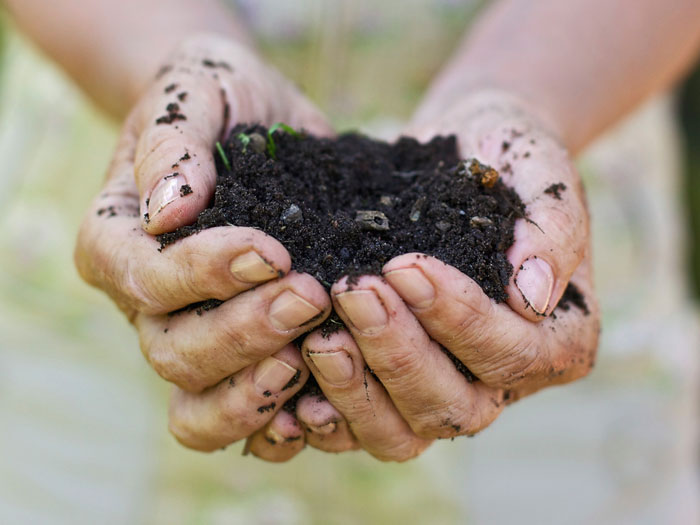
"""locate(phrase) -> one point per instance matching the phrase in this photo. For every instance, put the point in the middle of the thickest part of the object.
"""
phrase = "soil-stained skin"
(346, 206)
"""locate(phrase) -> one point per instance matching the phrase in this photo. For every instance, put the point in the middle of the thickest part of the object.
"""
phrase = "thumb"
(196, 103)
(551, 241)
(180, 119)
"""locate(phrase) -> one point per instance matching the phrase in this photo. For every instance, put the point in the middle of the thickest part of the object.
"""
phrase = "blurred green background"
(690, 120)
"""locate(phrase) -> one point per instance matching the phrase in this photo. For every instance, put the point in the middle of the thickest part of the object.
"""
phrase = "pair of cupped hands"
(234, 366)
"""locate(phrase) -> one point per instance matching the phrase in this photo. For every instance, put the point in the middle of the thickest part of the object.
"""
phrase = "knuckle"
(394, 363)
(513, 367)
(433, 426)
(240, 418)
(170, 366)
(402, 451)
(464, 332)
(202, 275)
(136, 294)
(242, 345)
(566, 227)
(185, 437)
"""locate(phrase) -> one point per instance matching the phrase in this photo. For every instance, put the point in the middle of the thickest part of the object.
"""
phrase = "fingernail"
(324, 430)
(335, 367)
(164, 193)
(364, 309)
(535, 280)
(251, 268)
(412, 286)
(272, 375)
(290, 311)
(273, 436)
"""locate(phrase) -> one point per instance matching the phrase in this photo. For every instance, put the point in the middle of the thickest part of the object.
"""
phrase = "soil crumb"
(556, 189)
(573, 297)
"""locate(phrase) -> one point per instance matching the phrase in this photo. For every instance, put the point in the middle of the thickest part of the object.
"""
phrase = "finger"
(496, 344)
(325, 427)
(551, 243)
(181, 118)
(348, 384)
(401, 354)
(217, 263)
(278, 441)
(239, 405)
(196, 103)
(196, 349)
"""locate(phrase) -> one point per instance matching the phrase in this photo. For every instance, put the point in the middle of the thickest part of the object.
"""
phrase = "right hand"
(233, 365)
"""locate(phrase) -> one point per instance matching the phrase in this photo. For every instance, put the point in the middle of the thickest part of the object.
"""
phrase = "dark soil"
(346, 206)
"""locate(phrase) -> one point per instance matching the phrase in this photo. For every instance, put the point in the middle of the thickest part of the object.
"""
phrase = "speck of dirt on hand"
(170, 118)
(182, 96)
(556, 189)
(267, 408)
(573, 296)
(163, 71)
(185, 189)
(170, 88)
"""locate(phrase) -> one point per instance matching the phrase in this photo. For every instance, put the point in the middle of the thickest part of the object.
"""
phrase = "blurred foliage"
(690, 122)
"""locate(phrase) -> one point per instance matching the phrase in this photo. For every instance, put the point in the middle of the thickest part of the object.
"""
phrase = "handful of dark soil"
(347, 205)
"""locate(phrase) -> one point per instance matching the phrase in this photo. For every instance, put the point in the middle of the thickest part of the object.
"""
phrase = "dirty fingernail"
(324, 430)
(412, 285)
(164, 193)
(364, 309)
(335, 367)
(272, 375)
(251, 268)
(290, 311)
(535, 280)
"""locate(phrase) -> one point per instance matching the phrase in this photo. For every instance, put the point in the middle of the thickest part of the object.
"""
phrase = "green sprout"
(224, 158)
(245, 140)
(271, 146)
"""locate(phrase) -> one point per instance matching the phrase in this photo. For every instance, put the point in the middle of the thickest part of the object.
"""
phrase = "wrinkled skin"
(234, 367)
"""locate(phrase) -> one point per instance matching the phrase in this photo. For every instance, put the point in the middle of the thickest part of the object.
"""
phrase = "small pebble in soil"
(292, 215)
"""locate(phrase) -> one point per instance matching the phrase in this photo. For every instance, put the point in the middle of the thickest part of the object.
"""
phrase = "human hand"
(233, 366)
(397, 324)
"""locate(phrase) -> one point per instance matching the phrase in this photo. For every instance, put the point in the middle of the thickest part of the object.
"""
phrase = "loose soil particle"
(346, 206)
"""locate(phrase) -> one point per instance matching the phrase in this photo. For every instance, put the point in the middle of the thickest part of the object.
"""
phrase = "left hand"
(397, 323)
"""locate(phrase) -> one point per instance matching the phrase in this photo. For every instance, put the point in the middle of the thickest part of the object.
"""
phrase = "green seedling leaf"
(245, 140)
(224, 158)
(271, 146)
